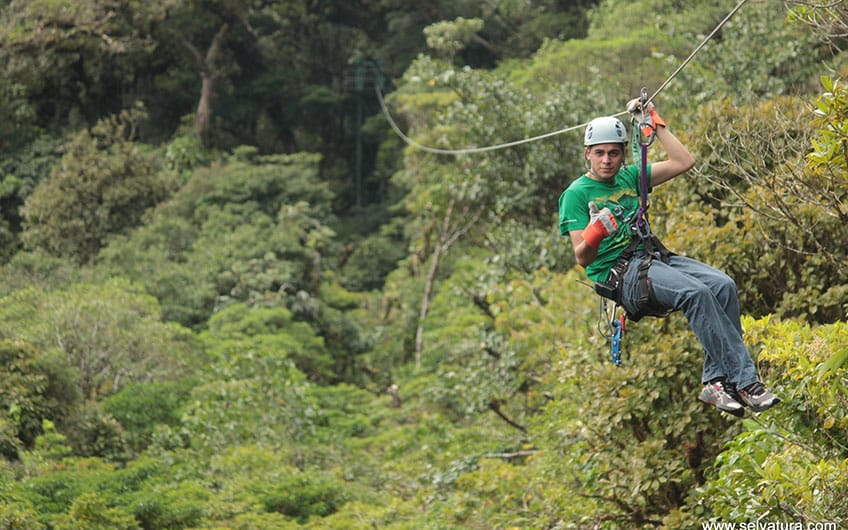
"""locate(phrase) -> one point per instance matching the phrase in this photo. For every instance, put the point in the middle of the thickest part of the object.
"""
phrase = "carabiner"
(645, 121)
(615, 341)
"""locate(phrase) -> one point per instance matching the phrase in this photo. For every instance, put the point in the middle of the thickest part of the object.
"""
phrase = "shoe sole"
(764, 407)
(736, 412)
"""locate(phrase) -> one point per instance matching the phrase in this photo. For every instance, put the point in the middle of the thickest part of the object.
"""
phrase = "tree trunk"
(425, 302)
(203, 120)
(210, 77)
(447, 237)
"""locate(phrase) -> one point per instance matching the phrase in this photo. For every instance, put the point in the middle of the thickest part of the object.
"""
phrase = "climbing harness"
(469, 150)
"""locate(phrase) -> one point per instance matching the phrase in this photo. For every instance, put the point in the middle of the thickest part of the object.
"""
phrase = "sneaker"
(757, 397)
(714, 393)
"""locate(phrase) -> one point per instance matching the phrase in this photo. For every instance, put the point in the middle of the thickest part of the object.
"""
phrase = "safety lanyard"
(643, 229)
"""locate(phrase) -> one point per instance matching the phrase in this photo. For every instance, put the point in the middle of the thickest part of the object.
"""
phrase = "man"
(599, 211)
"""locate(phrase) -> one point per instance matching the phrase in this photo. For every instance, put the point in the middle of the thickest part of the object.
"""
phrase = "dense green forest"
(233, 297)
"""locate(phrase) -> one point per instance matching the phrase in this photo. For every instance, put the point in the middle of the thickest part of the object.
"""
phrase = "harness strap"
(646, 301)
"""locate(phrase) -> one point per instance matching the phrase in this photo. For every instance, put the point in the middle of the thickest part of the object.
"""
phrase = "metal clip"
(615, 341)
(645, 121)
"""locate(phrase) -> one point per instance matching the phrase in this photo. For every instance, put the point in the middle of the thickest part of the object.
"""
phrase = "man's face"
(605, 160)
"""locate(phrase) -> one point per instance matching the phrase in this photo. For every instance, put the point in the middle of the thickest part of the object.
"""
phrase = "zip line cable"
(470, 150)
(467, 150)
(698, 49)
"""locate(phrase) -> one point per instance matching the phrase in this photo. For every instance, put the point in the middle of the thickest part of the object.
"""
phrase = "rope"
(470, 150)
(467, 150)
(698, 48)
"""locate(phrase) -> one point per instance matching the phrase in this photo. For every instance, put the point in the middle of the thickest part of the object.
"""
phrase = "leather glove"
(602, 223)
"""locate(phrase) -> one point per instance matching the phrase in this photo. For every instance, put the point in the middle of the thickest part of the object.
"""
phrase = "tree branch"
(496, 408)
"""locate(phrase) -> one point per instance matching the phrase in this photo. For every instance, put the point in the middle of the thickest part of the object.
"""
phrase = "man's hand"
(634, 106)
(602, 223)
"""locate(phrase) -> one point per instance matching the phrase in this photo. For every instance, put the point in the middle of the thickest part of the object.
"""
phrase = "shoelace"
(755, 389)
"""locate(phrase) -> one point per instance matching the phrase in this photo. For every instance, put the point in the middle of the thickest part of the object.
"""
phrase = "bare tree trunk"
(425, 302)
(209, 85)
(203, 120)
(447, 237)
(428, 283)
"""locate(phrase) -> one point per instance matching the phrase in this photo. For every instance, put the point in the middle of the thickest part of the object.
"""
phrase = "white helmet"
(606, 130)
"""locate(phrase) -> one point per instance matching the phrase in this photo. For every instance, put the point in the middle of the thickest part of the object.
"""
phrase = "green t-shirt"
(621, 196)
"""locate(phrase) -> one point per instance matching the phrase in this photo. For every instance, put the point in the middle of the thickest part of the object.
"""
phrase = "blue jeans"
(708, 298)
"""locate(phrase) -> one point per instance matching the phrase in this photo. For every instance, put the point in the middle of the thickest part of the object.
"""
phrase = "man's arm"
(583, 252)
(602, 224)
(679, 159)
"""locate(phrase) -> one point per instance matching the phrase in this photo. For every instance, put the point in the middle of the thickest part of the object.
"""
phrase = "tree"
(75, 62)
(109, 334)
(239, 327)
(778, 459)
(780, 207)
(448, 37)
(250, 230)
(92, 512)
(828, 19)
(472, 193)
(33, 388)
(102, 187)
(204, 31)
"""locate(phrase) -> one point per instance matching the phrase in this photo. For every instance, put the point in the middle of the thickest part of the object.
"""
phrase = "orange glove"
(655, 120)
(634, 106)
(602, 223)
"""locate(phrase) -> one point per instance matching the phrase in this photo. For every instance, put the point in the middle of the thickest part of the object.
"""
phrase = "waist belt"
(646, 302)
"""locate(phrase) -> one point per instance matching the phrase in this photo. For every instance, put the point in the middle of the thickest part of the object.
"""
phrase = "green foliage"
(487, 110)
(104, 184)
(185, 153)
(449, 37)
(793, 461)
(140, 407)
(371, 261)
(74, 62)
(108, 334)
(825, 18)
(26, 269)
(53, 492)
(17, 114)
(515, 417)
(255, 393)
(746, 63)
(50, 447)
(777, 225)
(253, 232)
(477, 367)
(620, 439)
(14, 516)
(95, 433)
(593, 69)
(238, 327)
(171, 505)
(301, 496)
(20, 172)
(828, 160)
(76, 491)
(249, 232)
(33, 387)
(91, 512)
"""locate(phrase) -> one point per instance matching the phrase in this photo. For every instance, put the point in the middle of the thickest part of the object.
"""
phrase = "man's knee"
(725, 284)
